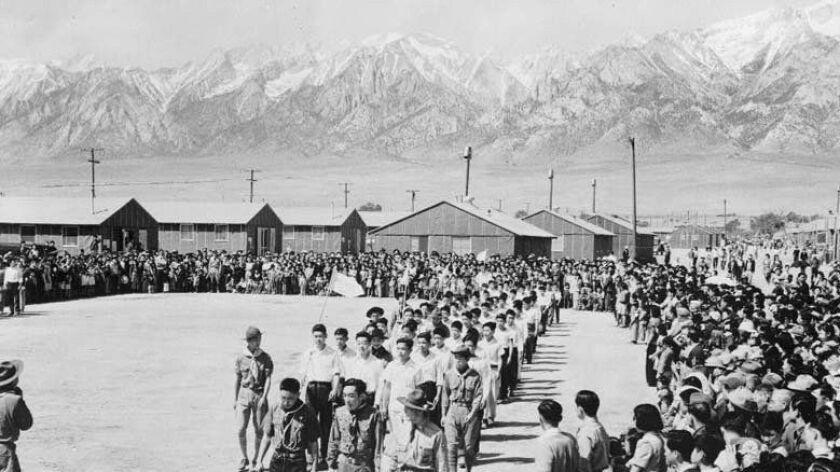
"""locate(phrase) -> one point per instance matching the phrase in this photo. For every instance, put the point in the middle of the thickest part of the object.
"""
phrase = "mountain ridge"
(765, 82)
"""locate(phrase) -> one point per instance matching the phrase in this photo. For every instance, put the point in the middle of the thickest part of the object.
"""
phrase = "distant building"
(690, 236)
(623, 231)
(73, 226)
(192, 226)
(814, 233)
(326, 229)
(463, 228)
(376, 219)
(574, 238)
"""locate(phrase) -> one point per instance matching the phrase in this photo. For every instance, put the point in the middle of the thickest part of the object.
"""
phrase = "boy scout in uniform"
(253, 380)
(425, 450)
(463, 398)
(355, 437)
(292, 430)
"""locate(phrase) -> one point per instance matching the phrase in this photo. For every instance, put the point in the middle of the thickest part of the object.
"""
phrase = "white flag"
(481, 256)
(343, 285)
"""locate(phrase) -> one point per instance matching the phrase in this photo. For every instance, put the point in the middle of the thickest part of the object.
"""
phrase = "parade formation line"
(584, 351)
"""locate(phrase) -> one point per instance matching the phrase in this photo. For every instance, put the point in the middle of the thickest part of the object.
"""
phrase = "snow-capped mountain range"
(768, 82)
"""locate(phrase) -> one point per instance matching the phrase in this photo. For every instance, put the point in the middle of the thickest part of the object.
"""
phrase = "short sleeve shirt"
(253, 370)
(403, 379)
(321, 365)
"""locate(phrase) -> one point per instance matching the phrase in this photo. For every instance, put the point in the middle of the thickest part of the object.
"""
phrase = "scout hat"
(10, 371)
(462, 351)
(416, 400)
(252, 332)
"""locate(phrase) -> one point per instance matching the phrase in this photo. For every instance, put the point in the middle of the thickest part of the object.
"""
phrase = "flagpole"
(326, 297)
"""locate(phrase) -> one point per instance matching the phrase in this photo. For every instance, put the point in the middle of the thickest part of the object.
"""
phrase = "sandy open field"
(145, 382)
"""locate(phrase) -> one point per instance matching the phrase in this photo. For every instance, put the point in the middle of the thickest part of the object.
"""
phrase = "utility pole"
(346, 192)
(500, 204)
(252, 180)
(468, 158)
(633, 163)
(93, 163)
(594, 186)
(413, 193)
(550, 189)
(725, 235)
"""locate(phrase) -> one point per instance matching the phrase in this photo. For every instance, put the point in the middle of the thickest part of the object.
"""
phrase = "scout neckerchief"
(286, 439)
(253, 367)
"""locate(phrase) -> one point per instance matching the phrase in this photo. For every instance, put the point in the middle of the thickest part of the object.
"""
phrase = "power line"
(155, 182)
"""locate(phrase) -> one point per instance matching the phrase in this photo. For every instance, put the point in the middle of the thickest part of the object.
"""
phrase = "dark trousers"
(283, 463)
(430, 390)
(514, 368)
(12, 296)
(530, 347)
(509, 372)
(318, 397)
(544, 320)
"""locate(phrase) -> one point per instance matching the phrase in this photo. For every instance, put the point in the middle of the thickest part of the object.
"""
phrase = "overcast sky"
(152, 33)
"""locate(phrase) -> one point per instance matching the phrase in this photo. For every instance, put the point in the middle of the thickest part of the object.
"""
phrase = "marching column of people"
(414, 394)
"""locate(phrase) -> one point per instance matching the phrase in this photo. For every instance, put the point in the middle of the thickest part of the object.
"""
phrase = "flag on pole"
(344, 285)
(481, 256)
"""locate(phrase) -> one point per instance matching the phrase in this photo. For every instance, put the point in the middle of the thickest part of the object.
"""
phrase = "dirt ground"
(145, 382)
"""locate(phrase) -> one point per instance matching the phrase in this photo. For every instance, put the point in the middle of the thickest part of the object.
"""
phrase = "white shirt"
(428, 367)
(402, 378)
(13, 275)
(491, 351)
(369, 370)
(320, 365)
(347, 354)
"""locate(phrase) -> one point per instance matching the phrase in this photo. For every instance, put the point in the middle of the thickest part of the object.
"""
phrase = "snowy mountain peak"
(739, 41)
(824, 17)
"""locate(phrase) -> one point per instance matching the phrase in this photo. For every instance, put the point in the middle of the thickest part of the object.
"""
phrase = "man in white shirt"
(490, 351)
(557, 451)
(344, 351)
(531, 317)
(13, 279)
(430, 373)
(509, 356)
(398, 380)
(365, 367)
(322, 370)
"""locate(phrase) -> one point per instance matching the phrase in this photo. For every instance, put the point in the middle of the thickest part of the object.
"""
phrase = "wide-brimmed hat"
(772, 378)
(416, 400)
(803, 383)
(10, 371)
(714, 362)
(743, 400)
